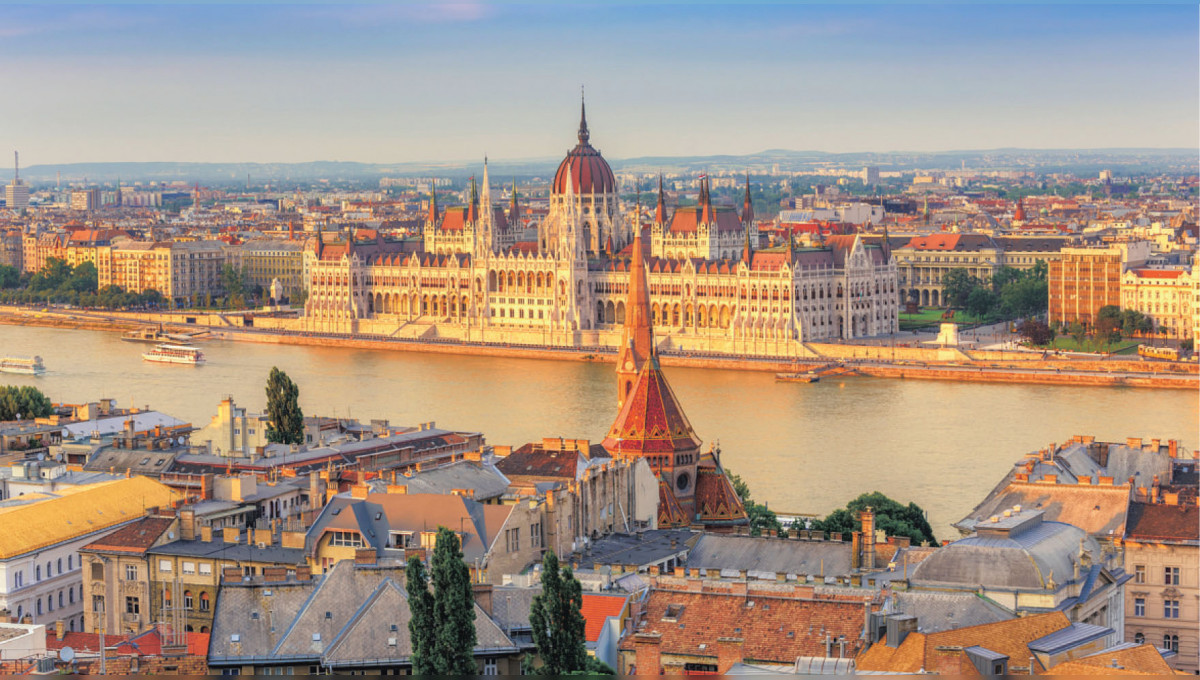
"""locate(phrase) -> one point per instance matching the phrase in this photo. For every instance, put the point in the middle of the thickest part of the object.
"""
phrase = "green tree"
(25, 401)
(10, 277)
(285, 420)
(557, 620)
(232, 280)
(957, 284)
(891, 517)
(1077, 332)
(84, 278)
(421, 624)
(761, 517)
(981, 301)
(453, 648)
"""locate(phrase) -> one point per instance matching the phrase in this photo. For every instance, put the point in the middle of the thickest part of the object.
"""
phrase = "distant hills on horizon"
(1120, 160)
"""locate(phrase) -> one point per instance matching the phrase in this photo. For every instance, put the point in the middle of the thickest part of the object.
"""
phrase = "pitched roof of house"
(1098, 510)
(1123, 660)
(90, 509)
(596, 609)
(1160, 522)
(769, 555)
(351, 615)
(777, 627)
(942, 652)
(133, 538)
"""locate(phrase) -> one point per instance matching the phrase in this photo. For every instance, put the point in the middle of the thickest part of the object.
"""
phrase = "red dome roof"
(590, 173)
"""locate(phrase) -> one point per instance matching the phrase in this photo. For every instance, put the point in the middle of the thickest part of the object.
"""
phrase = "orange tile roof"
(1010, 638)
(1140, 660)
(596, 609)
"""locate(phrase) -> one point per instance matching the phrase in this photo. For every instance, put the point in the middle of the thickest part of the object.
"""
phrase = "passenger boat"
(154, 335)
(175, 354)
(797, 377)
(22, 365)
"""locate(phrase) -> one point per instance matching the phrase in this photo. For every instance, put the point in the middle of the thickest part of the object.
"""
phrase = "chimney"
(647, 652)
(364, 556)
(856, 550)
(1173, 448)
(291, 539)
(898, 628)
(262, 536)
(274, 574)
(231, 574)
(60, 630)
(303, 573)
(867, 517)
(729, 652)
(483, 596)
(231, 534)
(206, 533)
(187, 525)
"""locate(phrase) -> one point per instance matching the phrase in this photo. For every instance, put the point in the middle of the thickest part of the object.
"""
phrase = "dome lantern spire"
(583, 130)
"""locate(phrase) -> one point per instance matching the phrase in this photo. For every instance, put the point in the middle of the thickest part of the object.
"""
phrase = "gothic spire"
(707, 214)
(637, 337)
(514, 212)
(583, 129)
(748, 205)
(473, 208)
(433, 201)
(660, 211)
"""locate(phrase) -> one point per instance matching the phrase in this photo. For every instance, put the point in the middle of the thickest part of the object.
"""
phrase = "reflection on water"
(802, 447)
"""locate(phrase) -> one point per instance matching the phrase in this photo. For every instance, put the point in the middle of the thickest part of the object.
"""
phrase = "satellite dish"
(41, 457)
(66, 654)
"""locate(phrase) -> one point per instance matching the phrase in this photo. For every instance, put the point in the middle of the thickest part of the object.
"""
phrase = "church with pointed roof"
(651, 425)
(709, 286)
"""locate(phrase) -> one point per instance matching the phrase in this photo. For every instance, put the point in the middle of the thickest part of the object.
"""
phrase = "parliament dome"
(589, 171)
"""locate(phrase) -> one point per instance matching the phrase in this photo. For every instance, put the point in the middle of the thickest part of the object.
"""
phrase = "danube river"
(802, 447)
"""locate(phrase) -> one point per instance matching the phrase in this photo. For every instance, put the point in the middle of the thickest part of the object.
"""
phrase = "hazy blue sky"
(386, 83)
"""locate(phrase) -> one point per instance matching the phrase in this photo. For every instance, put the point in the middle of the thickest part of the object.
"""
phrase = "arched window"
(1171, 642)
(37, 573)
(70, 562)
(204, 602)
(1139, 638)
(60, 565)
(39, 607)
(188, 601)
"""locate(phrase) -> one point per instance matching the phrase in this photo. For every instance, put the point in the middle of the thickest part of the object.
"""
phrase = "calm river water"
(801, 447)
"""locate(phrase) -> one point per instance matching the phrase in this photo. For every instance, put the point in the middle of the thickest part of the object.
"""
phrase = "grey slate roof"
(1072, 636)
(937, 612)
(648, 549)
(486, 481)
(110, 425)
(770, 555)
(353, 616)
(1026, 558)
(232, 551)
(510, 606)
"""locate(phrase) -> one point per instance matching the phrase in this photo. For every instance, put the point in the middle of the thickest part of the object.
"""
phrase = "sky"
(380, 82)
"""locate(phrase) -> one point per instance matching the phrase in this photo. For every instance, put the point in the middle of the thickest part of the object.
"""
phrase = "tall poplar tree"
(453, 608)
(557, 620)
(420, 625)
(285, 420)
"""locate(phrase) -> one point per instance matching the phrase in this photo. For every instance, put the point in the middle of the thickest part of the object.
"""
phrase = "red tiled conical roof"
(589, 172)
(651, 423)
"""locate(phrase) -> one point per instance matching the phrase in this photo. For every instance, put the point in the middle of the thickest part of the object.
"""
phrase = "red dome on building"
(590, 173)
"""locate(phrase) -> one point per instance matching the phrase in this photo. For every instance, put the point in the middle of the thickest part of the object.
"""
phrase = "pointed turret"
(637, 338)
(747, 250)
(485, 194)
(583, 131)
(707, 214)
(887, 245)
(514, 210)
(433, 211)
(473, 206)
(660, 211)
(747, 204)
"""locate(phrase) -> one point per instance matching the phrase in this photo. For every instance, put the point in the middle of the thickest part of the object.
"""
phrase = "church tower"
(637, 338)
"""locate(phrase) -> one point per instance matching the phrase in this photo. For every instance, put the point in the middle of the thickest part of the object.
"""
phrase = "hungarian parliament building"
(712, 290)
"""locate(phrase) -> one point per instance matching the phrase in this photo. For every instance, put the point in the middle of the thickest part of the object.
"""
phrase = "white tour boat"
(175, 354)
(22, 365)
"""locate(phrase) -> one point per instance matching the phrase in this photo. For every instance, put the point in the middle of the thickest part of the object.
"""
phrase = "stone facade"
(473, 281)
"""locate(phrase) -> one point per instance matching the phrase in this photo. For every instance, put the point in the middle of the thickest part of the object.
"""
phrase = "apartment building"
(1085, 279)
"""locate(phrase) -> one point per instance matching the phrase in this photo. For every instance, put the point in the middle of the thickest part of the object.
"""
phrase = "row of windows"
(1170, 608)
(1169, 641)
(1170, 575)
(19, 575)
